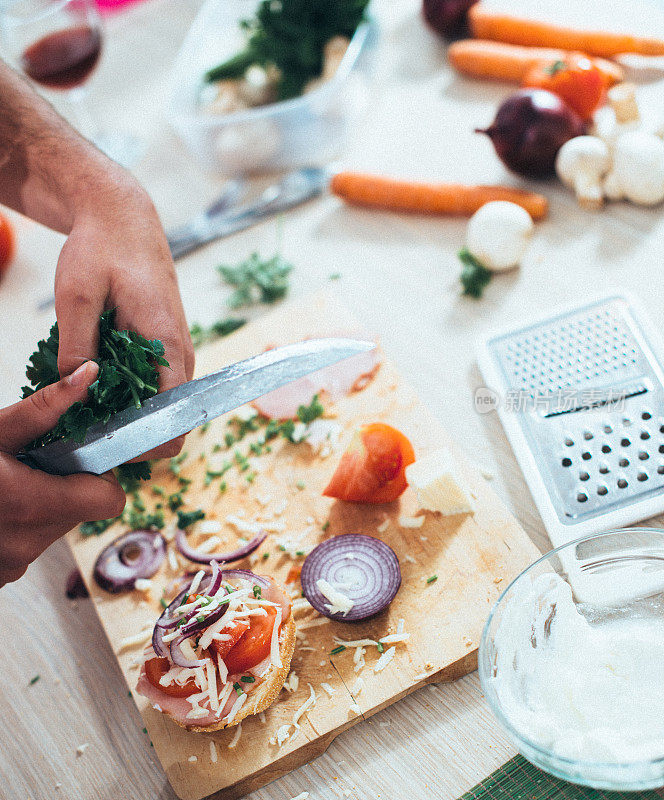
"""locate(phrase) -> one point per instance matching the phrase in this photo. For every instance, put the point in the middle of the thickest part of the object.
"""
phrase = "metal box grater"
(581, 398)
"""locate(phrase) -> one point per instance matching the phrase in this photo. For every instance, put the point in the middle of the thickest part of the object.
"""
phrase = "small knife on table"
(135, 431)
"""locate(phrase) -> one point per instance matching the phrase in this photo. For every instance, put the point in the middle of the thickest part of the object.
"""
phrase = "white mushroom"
(621, 114)
(638, 169)
(581, 164)
(498, 234)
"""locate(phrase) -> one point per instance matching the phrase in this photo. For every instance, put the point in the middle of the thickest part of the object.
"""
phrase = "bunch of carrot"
(507, 46)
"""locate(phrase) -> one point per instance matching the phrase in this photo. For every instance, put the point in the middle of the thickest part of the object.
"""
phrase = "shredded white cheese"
(223, 697)
(357, 687)
(356, 642)
(275, 655)
(338, 600)
(137, 638)
(313, 623)
(282, 734)
(310, 702)
(233, 742)
(213, 752)
(384, 660)
(222, 669)
(358, 658)
(329, 689)
(301, 796)
(173, 561)
(212, 686)
(410, 522)
(401, 625)
(301, 604)
(192, 759)
(209, 544)
(354, 707)
(410, 559)
(198, 577)
(242, 525)
(142, 584)
(237, 705)
(292, 682)
(395, 638)
(209, 526)
(384, 525)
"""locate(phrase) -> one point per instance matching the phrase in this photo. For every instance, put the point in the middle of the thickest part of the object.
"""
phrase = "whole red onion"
(529, 129)
(447, 17)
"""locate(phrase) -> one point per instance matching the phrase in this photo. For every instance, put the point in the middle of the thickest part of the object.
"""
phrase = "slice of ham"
(335, 382)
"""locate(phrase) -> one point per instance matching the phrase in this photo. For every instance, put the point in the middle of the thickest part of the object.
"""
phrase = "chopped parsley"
(248, 679)
(257, 280)
(337, 650)
(474, 275)
(238, 688)
(432, 579)
(381, 647)
(34, 680)
(223, 327)
(187, 518)
(258, 592)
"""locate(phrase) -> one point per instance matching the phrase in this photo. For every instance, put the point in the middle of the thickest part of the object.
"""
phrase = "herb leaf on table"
(474, 275)
(257, 280)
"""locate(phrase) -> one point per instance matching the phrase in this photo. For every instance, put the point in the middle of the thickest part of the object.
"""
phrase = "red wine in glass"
(63, 59)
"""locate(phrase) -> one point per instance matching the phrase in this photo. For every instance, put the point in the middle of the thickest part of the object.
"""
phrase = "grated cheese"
(301, 604)
(262, 717)
(313, 623)
(192, 759)
(338, 600)
(209, 544)
(137, 638)
(274, 527)
(354, 707)
(264, 499)
(401, 625)
(384, 525)
(292, 683)
(329, 689)
(395, 638)
(358, 658)
(357, 687)
(237, 705)
(222, 669)
(356, 642)
(410, 522)
(209, 526)
(310, 702)
(173, 561)
(410, 559)
(142, 584)
(233, 742)
(212, 686)
(275, 655)
(384, 660)
(198, 577)
(223, 697)
(213, 752)
(282, 734)
(242, 525)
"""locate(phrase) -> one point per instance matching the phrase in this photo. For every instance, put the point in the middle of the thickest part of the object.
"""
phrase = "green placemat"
(520, 780)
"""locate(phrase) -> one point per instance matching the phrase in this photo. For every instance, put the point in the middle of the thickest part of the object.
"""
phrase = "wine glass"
(58, 43)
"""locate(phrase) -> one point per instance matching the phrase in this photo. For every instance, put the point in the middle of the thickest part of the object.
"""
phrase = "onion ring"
(363, 568)
(137, 554)
(207, 558)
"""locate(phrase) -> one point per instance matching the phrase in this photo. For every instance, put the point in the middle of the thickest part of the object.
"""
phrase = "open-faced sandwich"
(221, 650)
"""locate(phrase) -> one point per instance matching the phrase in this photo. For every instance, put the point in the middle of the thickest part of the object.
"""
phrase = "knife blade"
(293, 190)
(170, 414)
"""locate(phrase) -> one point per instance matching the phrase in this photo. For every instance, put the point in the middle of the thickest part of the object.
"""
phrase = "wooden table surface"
(400, 275)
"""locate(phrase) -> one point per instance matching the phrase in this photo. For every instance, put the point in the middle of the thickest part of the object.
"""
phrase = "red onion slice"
(75, 586)
(137, 554)
(207, 558)
(245, 574)
(364, 569)
(177, 657)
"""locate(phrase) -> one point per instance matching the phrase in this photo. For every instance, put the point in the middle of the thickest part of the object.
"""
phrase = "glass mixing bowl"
(598, 603)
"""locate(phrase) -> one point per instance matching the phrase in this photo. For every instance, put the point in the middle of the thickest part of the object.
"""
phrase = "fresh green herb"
(311, 412)
(381, 647)
(34, 680)
(205, 427)
(266, 556)
(474, 275)
(258, 592)
(223, 327)
(127, 377)
(257, 280)
(185, 483)
(238, 688)
(222, 487)
(335, 276)
(145, 730)
(337, 650)
(229, 439)
(97, 527)
(139, 520)
(325, 525)
(137, 502)
(555, 68)
(200, 618)
(163, 602)
(432, 579)
(187, 518)
(247, 679)
(282, 547)
(159, 491)
(291, 35)
(175, 500)
(176, 462)
(301, 485)
(211, 474)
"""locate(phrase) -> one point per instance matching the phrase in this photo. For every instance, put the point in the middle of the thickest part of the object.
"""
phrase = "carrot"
(511, 62)
(488, 24)
(429, 198)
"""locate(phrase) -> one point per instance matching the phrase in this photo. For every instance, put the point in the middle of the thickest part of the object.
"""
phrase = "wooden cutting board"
(473, 556)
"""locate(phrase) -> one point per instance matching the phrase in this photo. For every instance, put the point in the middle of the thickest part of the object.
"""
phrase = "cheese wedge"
(436, 480)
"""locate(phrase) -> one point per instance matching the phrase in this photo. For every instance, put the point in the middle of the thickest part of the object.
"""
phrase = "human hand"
(117, 255)
(37, 508)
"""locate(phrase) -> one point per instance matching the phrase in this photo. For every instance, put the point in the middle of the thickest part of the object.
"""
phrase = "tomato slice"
(373, 469)
(576, 79)
(156, 668)
(254, 645)
(222, 649)
(6, 244)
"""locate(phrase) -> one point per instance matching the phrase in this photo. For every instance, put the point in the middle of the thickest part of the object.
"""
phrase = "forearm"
(47, 170)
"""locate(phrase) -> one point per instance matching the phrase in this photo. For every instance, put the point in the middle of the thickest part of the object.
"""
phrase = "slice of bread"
(265, 694)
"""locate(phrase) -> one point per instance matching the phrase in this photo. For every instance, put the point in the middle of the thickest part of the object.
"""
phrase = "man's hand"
(36, 508)
(117, 256)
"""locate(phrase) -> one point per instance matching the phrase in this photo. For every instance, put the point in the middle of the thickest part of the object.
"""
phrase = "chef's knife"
(166, 416)
(293, 190)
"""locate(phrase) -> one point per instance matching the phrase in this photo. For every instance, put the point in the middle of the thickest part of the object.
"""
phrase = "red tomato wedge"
(7, 244)
(373, 468)
(222, 649)
(156, 668)
(254, 645)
